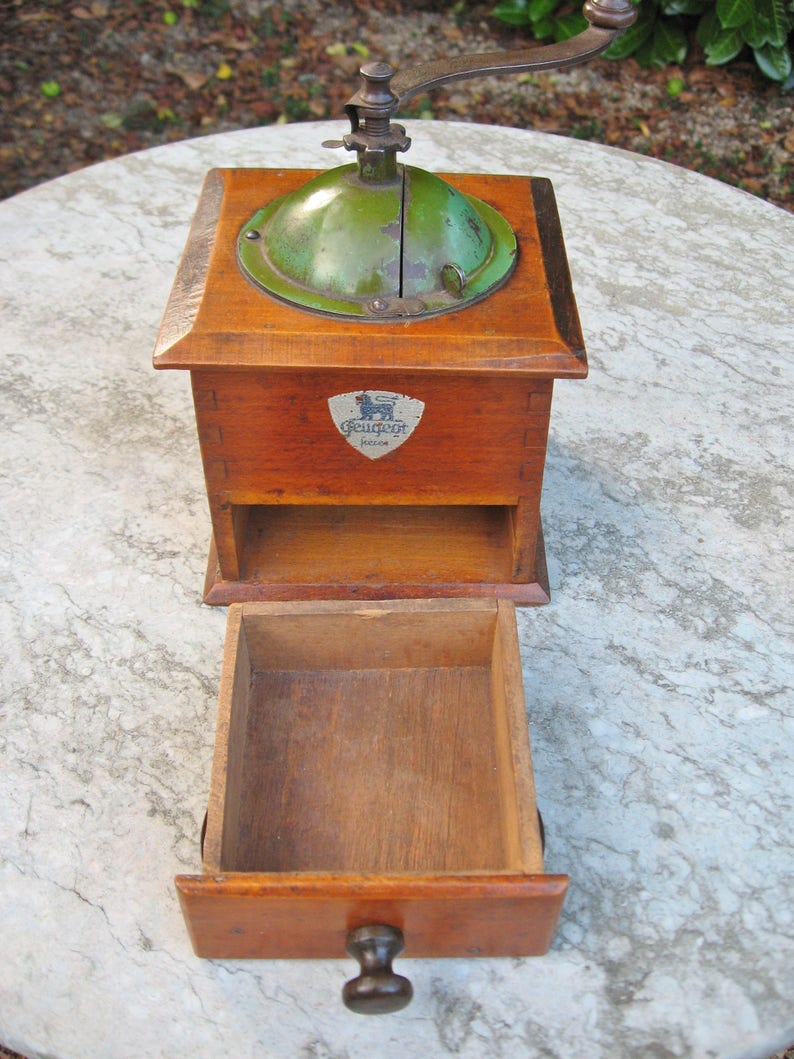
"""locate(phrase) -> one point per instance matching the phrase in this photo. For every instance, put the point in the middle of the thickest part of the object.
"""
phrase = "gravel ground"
(85, 80)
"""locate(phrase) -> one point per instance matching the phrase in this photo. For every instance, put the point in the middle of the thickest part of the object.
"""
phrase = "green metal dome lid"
(410, 246)
(378, 240)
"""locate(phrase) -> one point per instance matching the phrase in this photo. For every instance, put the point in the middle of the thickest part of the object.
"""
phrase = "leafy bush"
(543, 17)
(663, 30)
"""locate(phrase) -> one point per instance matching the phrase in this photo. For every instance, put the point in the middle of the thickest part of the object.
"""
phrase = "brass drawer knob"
(377, 990)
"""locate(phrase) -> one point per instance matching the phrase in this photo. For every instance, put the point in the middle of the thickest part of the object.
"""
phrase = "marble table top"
(658, 681)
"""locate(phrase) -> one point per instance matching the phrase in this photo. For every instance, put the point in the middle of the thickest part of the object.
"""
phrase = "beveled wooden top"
(216, 318)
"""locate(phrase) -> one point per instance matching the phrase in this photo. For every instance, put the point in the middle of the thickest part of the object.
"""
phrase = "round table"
(658, 680)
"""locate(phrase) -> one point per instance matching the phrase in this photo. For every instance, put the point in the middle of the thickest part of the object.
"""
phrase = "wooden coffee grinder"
(372, 352)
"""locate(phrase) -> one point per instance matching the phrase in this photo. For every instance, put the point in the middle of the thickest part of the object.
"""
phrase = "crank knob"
(377, 990)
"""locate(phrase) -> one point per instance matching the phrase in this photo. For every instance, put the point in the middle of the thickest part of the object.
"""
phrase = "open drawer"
(372, 766)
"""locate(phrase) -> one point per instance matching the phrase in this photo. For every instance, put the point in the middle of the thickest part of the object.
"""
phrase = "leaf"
(634, 37)
(544, 28)
(645, 54)
(770, 24)
(775, 63)
(669, 42)
(567, 26)
(683, 7)
(539, 9)
(192, 79)
(224, 72)
(514, 12)
(756, 32)
(51, 89)
(708, 28)
(725, 46)
(112, 120)
(734, 13)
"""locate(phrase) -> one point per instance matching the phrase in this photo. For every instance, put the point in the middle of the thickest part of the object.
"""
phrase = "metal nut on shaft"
(610, 14)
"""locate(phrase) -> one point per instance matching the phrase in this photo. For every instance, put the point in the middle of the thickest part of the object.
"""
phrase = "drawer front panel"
(242, 916)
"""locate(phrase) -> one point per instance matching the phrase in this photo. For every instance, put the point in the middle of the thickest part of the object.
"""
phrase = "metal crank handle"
(607, 18)
(383, 91)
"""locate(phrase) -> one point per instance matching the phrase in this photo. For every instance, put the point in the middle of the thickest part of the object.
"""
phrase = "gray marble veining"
(658, 681)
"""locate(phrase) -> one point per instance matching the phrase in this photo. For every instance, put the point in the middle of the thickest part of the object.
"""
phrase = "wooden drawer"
(372, 766)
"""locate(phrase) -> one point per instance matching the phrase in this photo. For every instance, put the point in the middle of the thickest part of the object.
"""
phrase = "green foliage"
(662, 33)
(546, 18)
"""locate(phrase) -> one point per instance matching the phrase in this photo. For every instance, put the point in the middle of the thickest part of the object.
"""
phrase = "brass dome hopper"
(383, 241)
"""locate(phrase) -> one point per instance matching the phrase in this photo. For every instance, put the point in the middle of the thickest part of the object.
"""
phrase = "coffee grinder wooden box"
(349, 459)
(372, 783)
(372, 353)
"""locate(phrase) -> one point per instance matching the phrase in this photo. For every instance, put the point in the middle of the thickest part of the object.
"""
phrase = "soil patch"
(88, 80)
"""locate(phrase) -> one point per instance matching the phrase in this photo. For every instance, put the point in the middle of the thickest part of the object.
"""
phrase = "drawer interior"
(383, 737)
(380, 544)
(288, 552)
